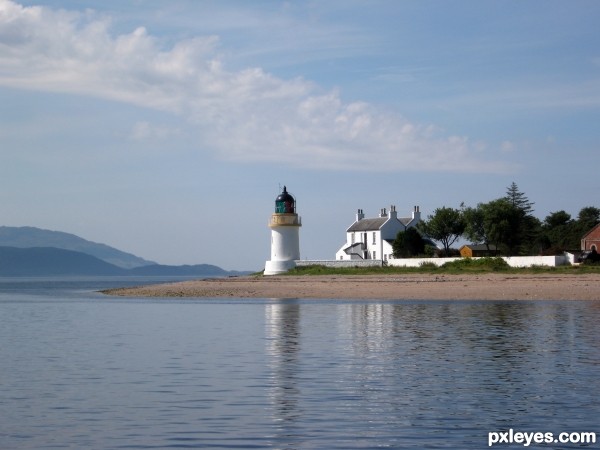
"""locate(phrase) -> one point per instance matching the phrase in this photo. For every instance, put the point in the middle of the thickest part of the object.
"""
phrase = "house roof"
(405, 220)
(352, 248)
(368, 224)
(591, 231)
(375, 224)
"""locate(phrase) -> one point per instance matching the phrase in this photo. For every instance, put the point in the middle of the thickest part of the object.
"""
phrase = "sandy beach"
(490, 286)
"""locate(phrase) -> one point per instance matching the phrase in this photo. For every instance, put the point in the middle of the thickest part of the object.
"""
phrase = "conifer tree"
(518, 199)
(527, 225)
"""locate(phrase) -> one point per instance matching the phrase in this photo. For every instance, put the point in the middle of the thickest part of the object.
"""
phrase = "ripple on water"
(301, 374)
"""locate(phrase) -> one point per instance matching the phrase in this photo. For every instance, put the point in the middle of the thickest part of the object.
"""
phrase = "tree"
(527, 227)
(560, 232)
(408, 243)
(557, 231)
(475, 229)
(588, 217)
(501, 221)
(557, 219)
(446, 225)
(518, 199)
(530, 238)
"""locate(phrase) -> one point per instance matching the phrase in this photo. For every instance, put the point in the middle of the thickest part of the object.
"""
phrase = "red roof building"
(591, 240)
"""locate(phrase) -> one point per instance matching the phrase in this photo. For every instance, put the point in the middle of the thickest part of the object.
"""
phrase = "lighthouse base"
(278, 267)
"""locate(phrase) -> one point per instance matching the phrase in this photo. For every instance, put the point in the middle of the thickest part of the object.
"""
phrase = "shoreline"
(486, 286)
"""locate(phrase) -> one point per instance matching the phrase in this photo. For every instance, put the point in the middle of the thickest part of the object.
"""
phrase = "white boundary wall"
(513, 261)
(417, 262)
(340, 262)
(528, 261)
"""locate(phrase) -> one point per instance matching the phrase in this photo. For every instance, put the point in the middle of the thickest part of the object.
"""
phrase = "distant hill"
(46, 261)
(27, 237)
(49, 261)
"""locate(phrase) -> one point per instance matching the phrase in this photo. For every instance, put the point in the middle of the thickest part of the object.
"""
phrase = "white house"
(372, 238)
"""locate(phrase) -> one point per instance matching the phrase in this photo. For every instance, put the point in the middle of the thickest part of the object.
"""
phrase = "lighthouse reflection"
(282, 330)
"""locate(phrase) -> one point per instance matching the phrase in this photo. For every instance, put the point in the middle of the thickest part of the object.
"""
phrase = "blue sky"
(166, 128)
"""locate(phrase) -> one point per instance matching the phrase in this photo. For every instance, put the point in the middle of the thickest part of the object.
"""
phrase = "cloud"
(144, 131)
(244, 116)
(507, 146)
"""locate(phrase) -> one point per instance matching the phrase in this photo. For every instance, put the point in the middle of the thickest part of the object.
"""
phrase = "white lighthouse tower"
(285, 237)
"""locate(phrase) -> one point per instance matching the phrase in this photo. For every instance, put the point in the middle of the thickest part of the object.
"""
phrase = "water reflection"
(283, 345)
(446, 370)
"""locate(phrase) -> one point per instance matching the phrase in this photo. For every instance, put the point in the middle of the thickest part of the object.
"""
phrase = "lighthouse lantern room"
(285, 240)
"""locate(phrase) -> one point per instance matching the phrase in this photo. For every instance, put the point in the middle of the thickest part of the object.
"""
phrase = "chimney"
(393, 213)
(360, 215)
(382, 213)
(416, 215)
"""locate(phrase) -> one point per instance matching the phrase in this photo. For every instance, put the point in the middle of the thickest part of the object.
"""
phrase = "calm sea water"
(82, 370)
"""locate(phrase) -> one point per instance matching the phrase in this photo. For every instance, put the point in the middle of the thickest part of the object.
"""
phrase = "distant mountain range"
(28, 251)
(27, 237)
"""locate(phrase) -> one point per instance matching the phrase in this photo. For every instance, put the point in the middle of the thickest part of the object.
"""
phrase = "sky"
(167, 129)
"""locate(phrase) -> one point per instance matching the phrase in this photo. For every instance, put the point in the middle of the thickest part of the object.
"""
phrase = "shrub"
(488, 264)
(428, 265)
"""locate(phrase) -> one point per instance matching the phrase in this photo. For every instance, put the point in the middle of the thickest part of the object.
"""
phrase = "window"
(374, 254)
(353, 237)
(374, 238)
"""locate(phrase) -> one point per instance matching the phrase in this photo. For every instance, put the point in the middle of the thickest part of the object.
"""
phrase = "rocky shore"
(490, 286)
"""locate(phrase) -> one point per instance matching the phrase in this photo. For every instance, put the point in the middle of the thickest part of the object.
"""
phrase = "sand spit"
(490, 286)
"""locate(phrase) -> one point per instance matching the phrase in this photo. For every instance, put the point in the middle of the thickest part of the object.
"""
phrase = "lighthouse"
(285, 237)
